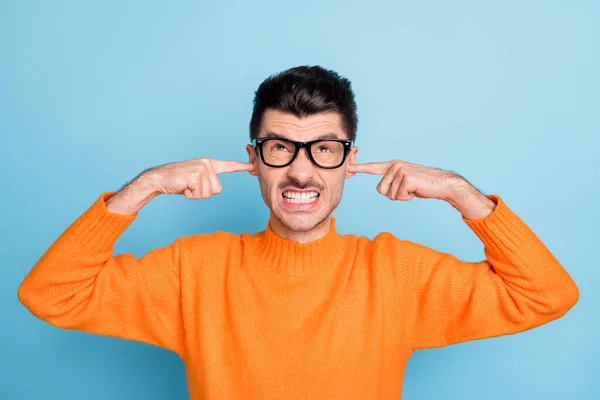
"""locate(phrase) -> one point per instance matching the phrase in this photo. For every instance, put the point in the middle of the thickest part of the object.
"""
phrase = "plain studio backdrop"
(506, 94)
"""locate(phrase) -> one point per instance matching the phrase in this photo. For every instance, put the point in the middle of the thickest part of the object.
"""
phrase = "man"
(298, 311)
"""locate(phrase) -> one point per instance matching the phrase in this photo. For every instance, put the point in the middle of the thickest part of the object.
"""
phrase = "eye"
(323, 149)
(280, 147)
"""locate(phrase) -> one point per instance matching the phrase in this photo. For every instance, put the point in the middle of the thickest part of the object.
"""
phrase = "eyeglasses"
(324, 153)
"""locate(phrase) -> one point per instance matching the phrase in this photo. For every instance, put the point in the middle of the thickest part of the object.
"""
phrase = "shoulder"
(385, 246)
(217, 241)
(381, 241)
(377, 250)
(207, 238)
(209, 243)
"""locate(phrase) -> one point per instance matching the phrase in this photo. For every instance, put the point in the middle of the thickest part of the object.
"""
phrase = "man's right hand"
(195, 179)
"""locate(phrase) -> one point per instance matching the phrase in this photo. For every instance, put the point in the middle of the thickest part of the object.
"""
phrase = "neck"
(292, 253)
(301, 237)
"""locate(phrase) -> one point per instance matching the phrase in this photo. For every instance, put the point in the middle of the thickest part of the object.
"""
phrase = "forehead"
(302, 129)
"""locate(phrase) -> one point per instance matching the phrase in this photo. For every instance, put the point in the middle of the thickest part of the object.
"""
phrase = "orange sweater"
(254, 316)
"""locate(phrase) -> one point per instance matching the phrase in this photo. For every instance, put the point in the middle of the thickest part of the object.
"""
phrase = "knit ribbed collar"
(294, 259)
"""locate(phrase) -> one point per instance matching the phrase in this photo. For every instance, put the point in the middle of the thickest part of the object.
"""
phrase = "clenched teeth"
(300, 197)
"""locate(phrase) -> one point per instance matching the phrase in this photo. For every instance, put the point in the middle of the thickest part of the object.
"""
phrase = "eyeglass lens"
(326, 153)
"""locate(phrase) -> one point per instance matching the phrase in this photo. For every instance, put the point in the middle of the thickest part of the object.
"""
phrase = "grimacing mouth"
(294, 195)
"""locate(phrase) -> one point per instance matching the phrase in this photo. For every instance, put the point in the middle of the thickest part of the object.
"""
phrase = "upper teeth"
(297, 195)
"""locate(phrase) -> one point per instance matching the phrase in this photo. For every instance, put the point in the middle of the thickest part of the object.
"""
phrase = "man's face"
(301, 195)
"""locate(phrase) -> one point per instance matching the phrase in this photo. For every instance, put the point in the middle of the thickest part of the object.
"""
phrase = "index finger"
(232, 166)
(376, 168)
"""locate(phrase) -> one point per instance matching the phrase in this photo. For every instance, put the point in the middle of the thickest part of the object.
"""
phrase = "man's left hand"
(404, 181)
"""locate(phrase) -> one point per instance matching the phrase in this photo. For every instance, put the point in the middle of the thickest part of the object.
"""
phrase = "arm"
(520, 285)
(79, 284)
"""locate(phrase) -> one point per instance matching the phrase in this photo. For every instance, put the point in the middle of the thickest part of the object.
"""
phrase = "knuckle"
(205, 165)
(198, 174)
(210, 165)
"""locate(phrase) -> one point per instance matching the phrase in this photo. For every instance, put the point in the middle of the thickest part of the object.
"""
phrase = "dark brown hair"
(304, 91)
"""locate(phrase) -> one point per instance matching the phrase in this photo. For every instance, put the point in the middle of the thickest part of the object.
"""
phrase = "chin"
(300, 223)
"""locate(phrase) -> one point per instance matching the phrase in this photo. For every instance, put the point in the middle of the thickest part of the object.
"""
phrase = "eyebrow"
(320, 137)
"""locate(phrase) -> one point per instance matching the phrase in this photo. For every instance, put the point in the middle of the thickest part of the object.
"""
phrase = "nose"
(302, 169)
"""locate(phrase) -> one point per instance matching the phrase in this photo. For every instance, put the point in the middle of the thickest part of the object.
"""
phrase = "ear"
(252, 159)
(351, 160)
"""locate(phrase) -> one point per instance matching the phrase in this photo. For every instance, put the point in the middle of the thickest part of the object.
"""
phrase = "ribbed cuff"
(502, 229)
(97, 228)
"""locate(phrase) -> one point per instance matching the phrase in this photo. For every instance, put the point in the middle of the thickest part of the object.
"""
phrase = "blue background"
(506, 94)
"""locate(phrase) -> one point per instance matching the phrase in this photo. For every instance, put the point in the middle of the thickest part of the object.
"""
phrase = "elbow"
(59, 305)
(36, 299)
(564, 298)
(23, 293)
(27, 296)
(572, 296)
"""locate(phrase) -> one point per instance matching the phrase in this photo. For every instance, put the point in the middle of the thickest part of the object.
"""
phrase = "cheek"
(335, 184)
(268, 180)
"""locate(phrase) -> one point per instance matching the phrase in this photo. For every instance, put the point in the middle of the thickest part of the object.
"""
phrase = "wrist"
(469, 201)
(135, 195)
(146, 183)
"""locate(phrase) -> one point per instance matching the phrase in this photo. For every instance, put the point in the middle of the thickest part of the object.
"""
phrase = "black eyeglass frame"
(258, 145)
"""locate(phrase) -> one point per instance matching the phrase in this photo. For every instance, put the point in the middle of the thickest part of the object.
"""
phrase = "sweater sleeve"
(78, 283)
(520, 285)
